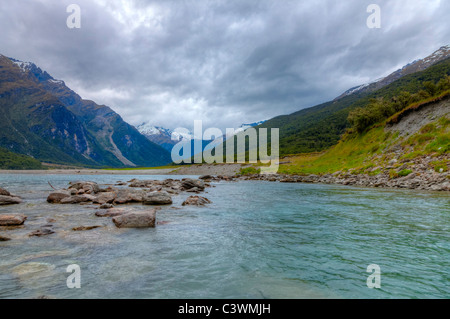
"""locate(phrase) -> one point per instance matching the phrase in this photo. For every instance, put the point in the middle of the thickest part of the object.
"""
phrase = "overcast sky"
(228, 62)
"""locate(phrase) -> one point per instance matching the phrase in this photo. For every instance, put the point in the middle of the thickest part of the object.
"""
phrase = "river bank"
(420, 174)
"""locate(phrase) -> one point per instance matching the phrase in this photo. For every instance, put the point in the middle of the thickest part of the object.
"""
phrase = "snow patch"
(150, 130)
(55, 81)
(25, 66)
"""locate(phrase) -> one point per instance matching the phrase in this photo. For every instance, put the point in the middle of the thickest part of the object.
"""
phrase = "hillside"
(41, 117)
(10, 160)
(413, 142)
(317, 128)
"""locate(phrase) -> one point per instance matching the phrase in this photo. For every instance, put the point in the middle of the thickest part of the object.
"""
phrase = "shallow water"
(256, 240)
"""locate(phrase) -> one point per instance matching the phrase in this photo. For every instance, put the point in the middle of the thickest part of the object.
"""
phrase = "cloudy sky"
(228, 62)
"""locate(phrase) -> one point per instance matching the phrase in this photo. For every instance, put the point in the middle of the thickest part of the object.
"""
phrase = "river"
(256, 240)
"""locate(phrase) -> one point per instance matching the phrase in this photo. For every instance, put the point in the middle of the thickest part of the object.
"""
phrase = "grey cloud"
(225, 62)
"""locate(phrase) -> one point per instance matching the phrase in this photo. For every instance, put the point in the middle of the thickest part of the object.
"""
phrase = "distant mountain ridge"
(163, 136)
(45, 119)
(418, 65)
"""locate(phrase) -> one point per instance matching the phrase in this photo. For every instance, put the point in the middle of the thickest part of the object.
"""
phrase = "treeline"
(10, 160)
(380, 109)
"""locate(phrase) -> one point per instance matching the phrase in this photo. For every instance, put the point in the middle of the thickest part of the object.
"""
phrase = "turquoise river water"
(256, 240)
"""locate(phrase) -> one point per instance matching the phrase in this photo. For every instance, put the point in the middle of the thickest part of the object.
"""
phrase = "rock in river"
(78, 199)
(9, 200)
(4, 192)
(85, 228)
(87, 187)
(196, 201)
(56, 196)
(105, 198)
(125, 196)
(41, 232)
(157, 198)
(12, 220)
(136, 219)
(4, 239)
(189, 183)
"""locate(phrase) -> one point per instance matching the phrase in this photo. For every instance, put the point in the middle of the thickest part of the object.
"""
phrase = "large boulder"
(12, 220)
(56, 196)
(9, 200)
(189, 183)
(157, 198)
(136, 219)
(196, 201)
(125, 196)
(105, 198)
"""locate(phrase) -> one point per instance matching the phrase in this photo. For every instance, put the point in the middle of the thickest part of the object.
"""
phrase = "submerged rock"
(12, 220)
(196, 201)
(157, 198)
(106, 206)
(41, 232)
(85, 228)
(136, 219)
(34, 271)
(4, 239)
(9, 200)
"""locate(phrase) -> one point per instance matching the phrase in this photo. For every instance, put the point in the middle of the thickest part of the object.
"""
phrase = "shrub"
(249, 171)
(379, 109)
(404, 172)
(440, 165)
(393, 174)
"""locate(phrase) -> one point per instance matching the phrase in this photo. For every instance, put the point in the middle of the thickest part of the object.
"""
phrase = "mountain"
(320, 127)
(10, 160)
(42, 118)
(162, 136)
(413, 67)
(244, 127)
(407, 150)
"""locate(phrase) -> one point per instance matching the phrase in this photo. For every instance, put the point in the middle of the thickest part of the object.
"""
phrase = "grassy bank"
(362, 153)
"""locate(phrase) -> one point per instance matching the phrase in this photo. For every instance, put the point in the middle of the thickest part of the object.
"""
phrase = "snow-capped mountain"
(162, 136)
(415, 66)
(242, 128)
